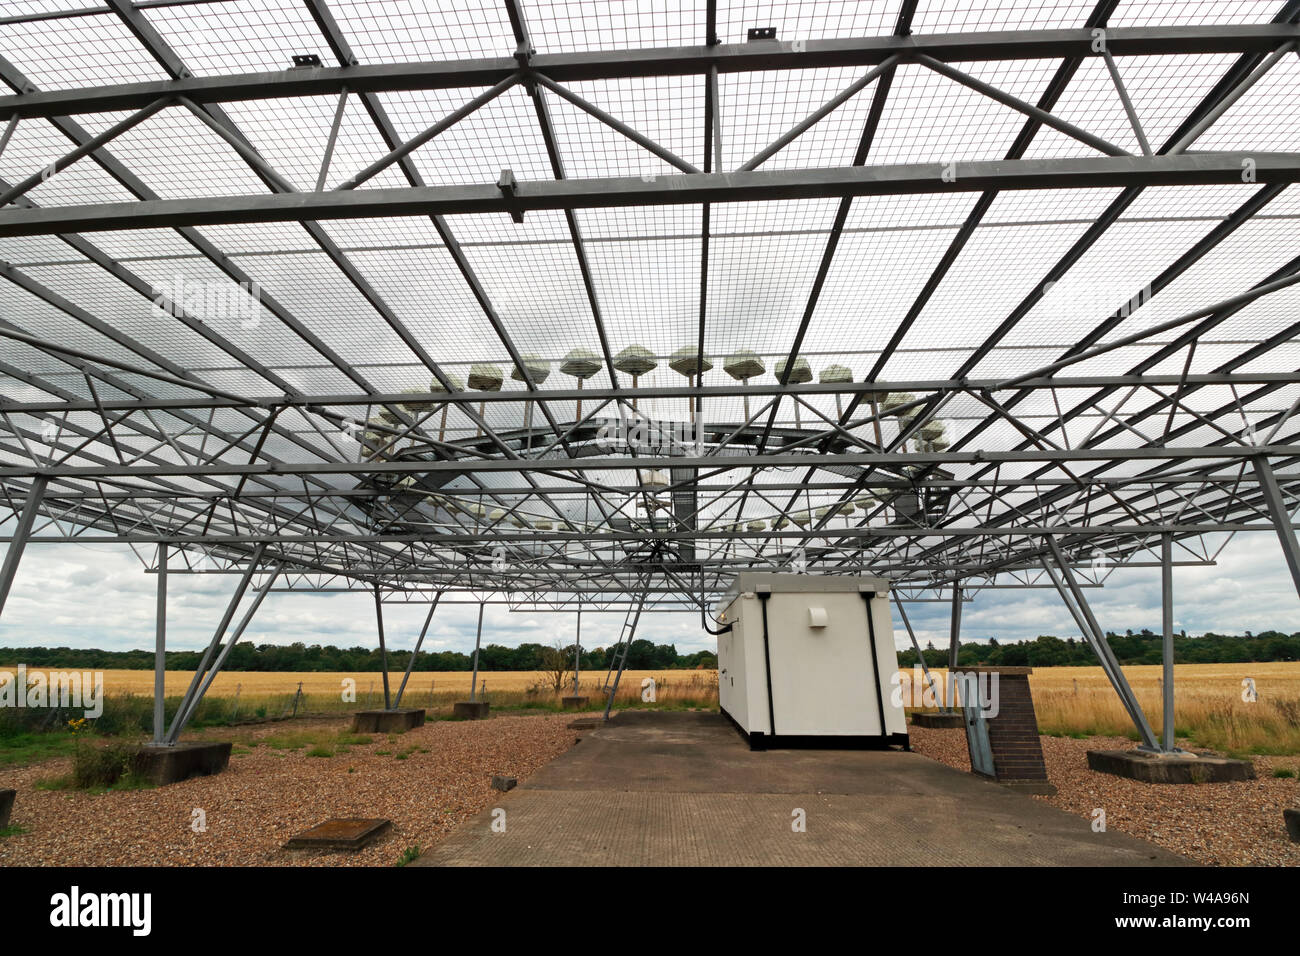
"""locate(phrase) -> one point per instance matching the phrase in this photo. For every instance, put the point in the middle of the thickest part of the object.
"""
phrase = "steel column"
(1167, 619)
(577, 650)
(383, 650)
(424, 630)
(1104, 654)
(954, 628)
(179, 725)
(934, 688)
(1279, 515)
(188, 701)
(478, 639)
(18, 542)
(160, 650)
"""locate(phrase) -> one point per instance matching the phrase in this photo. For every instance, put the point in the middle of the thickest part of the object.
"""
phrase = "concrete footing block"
(1169, 768)
(387, 721)
(341, 834)
(162, 765)
(6, 806)
(503, 783)
(937, 721)
(586, 723)
(1292, 820)
(575, 702)
(470, 709)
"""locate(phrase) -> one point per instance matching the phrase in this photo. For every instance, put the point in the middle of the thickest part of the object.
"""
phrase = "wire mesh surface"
(923, 383)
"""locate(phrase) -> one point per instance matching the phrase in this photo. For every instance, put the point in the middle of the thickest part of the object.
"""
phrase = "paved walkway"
(682, 789)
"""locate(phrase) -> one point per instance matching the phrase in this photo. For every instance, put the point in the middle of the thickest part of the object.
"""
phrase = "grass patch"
(1283, 773)
(12, 830)
(319, 751)
(409, 854)
(25, 748)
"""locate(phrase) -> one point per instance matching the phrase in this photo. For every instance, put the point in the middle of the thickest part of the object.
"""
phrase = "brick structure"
(1013, 733)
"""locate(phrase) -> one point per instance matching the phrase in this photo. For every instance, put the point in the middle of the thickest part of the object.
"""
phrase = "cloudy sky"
(98, 595)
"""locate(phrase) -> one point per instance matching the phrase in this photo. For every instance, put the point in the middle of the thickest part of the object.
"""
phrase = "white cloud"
(100, 596)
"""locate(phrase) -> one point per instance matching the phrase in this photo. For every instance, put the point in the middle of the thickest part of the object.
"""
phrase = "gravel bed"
(267, 796)
(1218, 824)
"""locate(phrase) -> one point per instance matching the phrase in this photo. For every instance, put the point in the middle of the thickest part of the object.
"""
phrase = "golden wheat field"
(255, 684)
(1209, 706)
(1273, 679)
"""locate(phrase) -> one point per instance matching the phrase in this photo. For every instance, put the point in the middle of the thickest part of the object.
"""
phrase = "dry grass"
(1208, 706)
(1071, 701)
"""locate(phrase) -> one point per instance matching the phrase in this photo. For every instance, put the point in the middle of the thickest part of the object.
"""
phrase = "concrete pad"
(682, 789)
(163, 765)
(1166, 768)
(340, 834)
(470, 709)
(6, 806)
(937, 721)
(387, 721)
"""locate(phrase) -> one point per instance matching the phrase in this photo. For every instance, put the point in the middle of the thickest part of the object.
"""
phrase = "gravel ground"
(1219, 824)
(267, 796)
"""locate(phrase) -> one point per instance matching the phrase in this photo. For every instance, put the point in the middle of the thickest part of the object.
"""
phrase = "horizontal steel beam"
(466, 538)
(837, 182)
(714, 463)
(579, 492)
(598, 393)
(665, 61)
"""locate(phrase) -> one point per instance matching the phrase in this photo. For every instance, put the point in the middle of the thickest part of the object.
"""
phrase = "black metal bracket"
(508, 186)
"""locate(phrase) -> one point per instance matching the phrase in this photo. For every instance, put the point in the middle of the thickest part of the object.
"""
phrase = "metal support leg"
(473, 683)
(424, 630)
(160, 650)
(1277, 511)
(383, 650)
(1167, 616)
(179, 722)
(187, 701)
(25, 521)
(954, 634)
(577, 652)
(934, 688)
(1097, 638)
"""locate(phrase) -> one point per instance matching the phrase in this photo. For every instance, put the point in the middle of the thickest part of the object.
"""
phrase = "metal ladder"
(618, 657)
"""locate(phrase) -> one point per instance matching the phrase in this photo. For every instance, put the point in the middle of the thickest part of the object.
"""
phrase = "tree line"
(642, 655)
(1142, 647)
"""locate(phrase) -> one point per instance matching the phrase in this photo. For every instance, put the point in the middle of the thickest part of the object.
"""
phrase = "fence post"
(234, 711)
(296, 698)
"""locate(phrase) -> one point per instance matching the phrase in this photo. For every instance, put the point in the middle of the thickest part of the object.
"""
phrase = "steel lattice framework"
(544, 303)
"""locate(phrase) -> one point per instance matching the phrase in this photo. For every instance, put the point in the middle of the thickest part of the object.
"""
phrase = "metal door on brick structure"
(977, 728)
